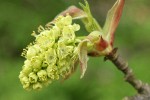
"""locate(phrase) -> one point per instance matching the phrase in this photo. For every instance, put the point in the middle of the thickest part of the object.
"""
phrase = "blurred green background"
(102, 81)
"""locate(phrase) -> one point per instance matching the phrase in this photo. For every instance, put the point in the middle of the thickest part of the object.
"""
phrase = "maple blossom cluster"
(56, 50)
(52, 55)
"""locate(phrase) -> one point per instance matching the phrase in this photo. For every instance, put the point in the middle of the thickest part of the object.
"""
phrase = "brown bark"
(143, 89)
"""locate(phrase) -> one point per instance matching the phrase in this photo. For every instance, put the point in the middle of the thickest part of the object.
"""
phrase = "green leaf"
(82, 52)
(112, 20)
(90, 23)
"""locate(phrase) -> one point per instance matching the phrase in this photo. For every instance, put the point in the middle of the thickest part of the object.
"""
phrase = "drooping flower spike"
(52, 55)
(57, 50)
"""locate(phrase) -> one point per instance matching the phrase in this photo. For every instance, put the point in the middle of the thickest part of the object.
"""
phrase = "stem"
(81, 37)
(122, 65)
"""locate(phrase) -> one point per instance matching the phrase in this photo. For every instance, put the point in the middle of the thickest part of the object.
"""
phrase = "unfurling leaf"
(90, 22)
(82, 53)
(112, 20)
(74, 12)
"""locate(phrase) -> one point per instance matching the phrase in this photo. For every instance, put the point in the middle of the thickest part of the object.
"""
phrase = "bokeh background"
(102, 81)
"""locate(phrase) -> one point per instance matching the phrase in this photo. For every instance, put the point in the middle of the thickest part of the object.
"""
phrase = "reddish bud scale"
(117, 17)
(101, 44)
(71, 11)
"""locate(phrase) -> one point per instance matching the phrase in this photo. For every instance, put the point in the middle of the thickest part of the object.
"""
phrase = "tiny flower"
(25, 82)
(51, 56)
(21, 75)
(68, 34)
(45, 39)
(56, 32)
(58, 22)
(37, 86)
(63, 21)
(44, 64)
(42, 75)
(36, 63)
(27, 69)
(63, 51)
(31, 52)
(27, 62)
(67, 20)
(33, 77)
(52, 72)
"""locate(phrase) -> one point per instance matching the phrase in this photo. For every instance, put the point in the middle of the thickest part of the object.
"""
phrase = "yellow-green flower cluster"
(52, 55)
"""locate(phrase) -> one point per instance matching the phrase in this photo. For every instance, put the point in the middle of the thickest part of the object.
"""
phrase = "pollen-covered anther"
(40, 29)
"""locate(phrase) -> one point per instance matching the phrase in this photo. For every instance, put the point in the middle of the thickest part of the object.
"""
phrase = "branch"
(143, 89)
